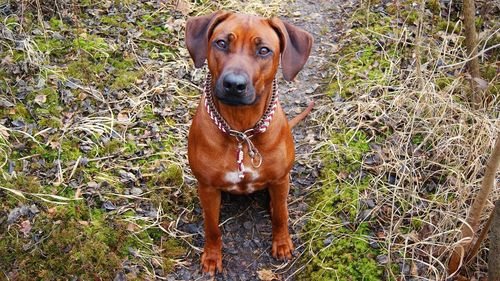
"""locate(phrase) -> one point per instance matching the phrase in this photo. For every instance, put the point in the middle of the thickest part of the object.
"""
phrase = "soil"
(245, 220)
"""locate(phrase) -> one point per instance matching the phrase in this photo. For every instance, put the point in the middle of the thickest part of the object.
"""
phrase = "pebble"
(365, 215)
(108, 206)
(370, 203)
(136, 191)
(232, 250)
(192, 228)
(16, 213)
(405, 268)
(120, 276)
(382, 259)
(34, 209)
(328, 240)
(374, 245)
(92, 184)
(58, 36)
(247, 225)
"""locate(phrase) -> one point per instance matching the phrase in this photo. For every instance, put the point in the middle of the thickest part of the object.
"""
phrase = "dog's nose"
(235, 84)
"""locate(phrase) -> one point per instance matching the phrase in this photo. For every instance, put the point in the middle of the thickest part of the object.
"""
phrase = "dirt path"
(245, 220)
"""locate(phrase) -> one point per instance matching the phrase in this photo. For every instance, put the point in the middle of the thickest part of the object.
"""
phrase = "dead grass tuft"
(428, 147)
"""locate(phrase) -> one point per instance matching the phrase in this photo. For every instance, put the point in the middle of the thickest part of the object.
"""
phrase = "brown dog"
(240, 139)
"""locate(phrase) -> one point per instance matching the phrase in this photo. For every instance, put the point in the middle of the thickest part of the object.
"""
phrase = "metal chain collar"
(242, 136)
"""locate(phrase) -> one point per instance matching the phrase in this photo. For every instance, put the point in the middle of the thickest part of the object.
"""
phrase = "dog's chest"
(250, 182)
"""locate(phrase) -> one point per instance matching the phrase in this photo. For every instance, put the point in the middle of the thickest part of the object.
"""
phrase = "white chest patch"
(233, 178)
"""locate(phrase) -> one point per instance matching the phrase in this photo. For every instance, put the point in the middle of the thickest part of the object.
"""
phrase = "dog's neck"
(244, 117)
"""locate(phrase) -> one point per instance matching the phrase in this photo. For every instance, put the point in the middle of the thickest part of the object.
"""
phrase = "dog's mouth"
(236, 101)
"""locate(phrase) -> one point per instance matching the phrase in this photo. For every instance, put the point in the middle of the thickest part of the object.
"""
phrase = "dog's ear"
(295, 46)
(198, 31)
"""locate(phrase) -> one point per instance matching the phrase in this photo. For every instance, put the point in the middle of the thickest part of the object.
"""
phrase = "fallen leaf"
(342, 175)
(40, 99)
(26, 227)
(414, 269)
(267, 275)
(92, 184)
(122, 117)
(54, 144)
(4, 132)
(183, 6)
(82, 96)
(155, 262)
(131, 227)
(78, 193)
(483, 84)
(7, 60)
(52, 211)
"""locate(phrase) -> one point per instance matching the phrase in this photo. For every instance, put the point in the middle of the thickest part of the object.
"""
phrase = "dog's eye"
(221, 44)
(264, 51)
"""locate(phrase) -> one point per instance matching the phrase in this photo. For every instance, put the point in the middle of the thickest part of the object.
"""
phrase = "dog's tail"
(301, 115)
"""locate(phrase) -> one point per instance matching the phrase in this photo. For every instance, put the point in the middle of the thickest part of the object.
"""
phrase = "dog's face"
(243, 57)
(244, 52)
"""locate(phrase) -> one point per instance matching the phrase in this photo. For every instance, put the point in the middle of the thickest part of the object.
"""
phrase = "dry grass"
(428, 148)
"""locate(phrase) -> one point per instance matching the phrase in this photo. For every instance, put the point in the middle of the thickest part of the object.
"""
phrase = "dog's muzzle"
(234, 88)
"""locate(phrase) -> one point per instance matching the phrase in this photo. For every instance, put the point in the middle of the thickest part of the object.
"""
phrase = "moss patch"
(65, 85)
(336, 231)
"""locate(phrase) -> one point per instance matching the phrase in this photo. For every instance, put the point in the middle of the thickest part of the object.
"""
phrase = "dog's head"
(244, 52)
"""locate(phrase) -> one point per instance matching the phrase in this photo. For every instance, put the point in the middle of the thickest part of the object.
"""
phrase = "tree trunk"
(473, 219)
(469, 11)
(493, 259)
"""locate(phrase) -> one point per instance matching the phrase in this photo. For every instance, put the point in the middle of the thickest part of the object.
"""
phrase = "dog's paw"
(282, 248)
(211, 260)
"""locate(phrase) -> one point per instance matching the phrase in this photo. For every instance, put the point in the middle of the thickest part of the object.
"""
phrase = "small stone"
(370, 203)
(18, 123)
(391, 179)
(232, 250)
(191, 228)
(108, 206)
(127, 176)
(365, 215)
(72, 84)
(120, 276)
(373, 160)
(92, 184)
(257, 243)
(374, 245)
(247, 225)
(246, 244)
(375, 147)
(312, 89)
(136, 191)
(382, 259)
(34, 209)
(151, 214)
(58, 36)
(16, 213)
(328, 240)
(186, 275)
(84, 161)
(405, 268)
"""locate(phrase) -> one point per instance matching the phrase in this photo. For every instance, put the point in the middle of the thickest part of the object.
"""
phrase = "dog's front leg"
(211, 259)
(282, 244)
